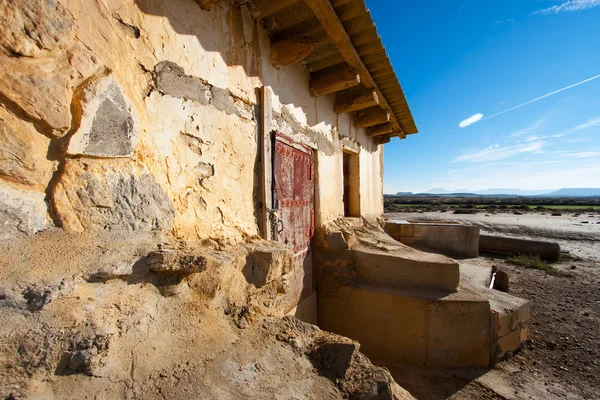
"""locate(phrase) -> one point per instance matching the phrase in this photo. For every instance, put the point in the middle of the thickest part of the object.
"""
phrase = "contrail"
(542, 97)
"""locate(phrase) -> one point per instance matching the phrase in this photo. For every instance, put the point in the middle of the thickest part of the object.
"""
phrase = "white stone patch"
(109, 124)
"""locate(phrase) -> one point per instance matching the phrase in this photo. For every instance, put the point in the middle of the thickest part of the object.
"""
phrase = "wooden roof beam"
(291, 51)
(357, 102)
(273, 8)
(382, 129)
(332, 81)
(336, 31)
(372, 116)
(382, 139)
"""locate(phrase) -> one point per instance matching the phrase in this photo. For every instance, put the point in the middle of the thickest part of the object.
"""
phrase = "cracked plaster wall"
(177, 86)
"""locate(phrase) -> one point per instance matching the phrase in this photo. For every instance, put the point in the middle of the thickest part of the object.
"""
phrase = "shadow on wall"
(240, 46)
(186, 18)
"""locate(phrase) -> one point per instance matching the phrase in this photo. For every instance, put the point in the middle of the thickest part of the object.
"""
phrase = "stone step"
(418, 326)
(510, 314)
(405, 268)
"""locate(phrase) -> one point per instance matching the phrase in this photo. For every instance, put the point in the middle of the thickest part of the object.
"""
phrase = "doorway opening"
(351, 170)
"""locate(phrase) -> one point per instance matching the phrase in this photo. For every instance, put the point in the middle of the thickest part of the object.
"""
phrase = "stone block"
(459, 334)
(336, 241)
(102, 195)
(30, 27)
(387, 324)
(23, 153)
(21, 212)
(508, 343)
(42, 63)
(109, 125)
(410, 269)
(175, 261)
(171, 80)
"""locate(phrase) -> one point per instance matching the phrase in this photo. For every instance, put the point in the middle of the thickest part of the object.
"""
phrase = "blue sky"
(457, 59)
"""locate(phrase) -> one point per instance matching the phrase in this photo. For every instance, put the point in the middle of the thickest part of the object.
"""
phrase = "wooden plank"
(333, 81)
(369, 48)
(372, 116)
(364, 36)
(360, 23)
(273, 8)
(326, 63)
(266, 176)
(291, 51)
(382, 140)
(339, 36)
(351, 10)
(382, 129)
(321, 52)
(358, 102)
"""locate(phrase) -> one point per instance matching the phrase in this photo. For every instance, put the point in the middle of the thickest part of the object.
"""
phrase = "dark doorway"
(351, 185)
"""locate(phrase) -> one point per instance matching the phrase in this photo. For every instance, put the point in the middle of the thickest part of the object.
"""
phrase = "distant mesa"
(576, 192)
(504, 192)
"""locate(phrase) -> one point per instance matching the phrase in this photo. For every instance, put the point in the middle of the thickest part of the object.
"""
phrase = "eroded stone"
(99, 195)
(171, 79)
(21, 212)
(29, 27)
(23, 153)
(109, 124)
(42, 88)
(174, 261)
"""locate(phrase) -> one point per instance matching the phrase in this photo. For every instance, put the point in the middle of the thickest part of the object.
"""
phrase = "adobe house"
(230, 124)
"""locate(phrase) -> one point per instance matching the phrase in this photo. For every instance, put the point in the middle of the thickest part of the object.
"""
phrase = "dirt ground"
(561, 358)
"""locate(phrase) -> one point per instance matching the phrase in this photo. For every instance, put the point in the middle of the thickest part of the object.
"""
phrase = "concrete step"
(418, 326)
(405, 267)
(510, 314)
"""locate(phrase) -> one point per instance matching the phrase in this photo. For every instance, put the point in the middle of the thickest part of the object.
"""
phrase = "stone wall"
(143, 115)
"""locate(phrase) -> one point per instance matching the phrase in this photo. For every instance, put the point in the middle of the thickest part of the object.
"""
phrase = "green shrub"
(535, 262)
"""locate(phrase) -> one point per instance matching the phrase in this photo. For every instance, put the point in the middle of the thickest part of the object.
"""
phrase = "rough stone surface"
(21, 212)
(174, 261)
(42, 88)
(109, 125)
(114, 271)
(30, 27)
(97, 195)
(171, 79)
(23, 153)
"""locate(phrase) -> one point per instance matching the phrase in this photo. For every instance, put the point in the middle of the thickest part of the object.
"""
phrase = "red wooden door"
(294, 192)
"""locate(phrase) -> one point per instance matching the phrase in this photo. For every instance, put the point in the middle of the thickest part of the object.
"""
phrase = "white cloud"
(530, 129)
(497, 152)
(590, 124)
(525, 175)
(570, 5)
(470, 120)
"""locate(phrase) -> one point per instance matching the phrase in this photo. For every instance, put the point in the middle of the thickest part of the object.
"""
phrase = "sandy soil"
(561, 359)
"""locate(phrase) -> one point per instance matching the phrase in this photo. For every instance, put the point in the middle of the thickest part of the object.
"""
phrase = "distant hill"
(503, 192)
(437, 191)
(576, 192)
(515, 191)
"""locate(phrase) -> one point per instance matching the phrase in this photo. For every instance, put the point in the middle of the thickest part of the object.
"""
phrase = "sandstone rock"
(37, 298)
(42, 63)
(109, 125)
(98, 195)
(267, 262)
(21, 212)
(30, 27)
(174, 261)
(23, 153)
(43, 87)
(114, 271)
(171, 79)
